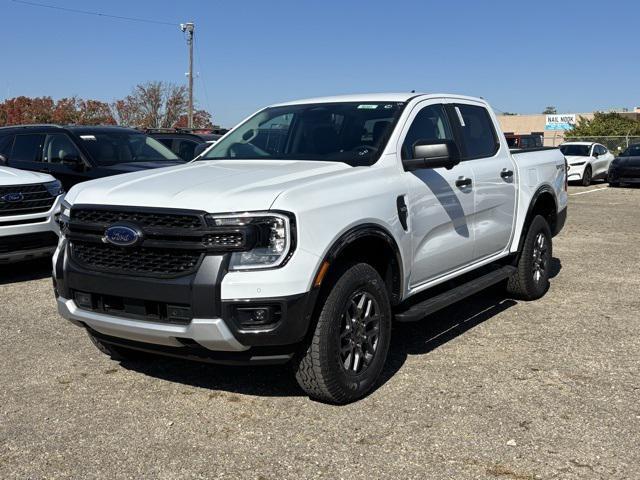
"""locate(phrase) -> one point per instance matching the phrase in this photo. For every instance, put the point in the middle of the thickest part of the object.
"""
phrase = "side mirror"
(3, 160)
(201, 147)
(74, 163)
(432, 154)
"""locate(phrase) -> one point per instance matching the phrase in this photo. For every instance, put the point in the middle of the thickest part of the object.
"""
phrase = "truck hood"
(12, 176)
(214, 186)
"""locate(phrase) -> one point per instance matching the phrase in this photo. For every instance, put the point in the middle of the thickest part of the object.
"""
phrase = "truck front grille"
(172, 242)
(162, 262)
(32, 199)
(143, 219)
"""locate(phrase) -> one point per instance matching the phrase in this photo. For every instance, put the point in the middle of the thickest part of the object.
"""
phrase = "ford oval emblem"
(122, 235)
(12, 197)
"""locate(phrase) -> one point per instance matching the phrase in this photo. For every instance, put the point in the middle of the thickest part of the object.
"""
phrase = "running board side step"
(433, 304)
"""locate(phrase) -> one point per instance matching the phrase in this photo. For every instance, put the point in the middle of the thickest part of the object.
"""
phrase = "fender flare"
(368, 230)
(534, 199)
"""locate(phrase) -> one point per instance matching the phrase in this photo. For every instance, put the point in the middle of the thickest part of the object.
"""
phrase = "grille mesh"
(141, 261)
(36, 199)
(143, 219)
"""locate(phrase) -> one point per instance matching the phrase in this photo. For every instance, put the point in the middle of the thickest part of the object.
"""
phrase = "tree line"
(154, 104)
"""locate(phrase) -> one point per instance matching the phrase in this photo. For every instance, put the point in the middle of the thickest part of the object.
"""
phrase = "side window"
(185, 149)
(27, 148)
(478, 133)
(58, 148)
(429, 124)
(5, 145)
(603, 150)
(167, 142)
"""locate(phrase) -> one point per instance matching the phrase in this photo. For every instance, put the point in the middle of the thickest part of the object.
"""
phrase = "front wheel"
(586, 176)
(531, 280)
(351, 340)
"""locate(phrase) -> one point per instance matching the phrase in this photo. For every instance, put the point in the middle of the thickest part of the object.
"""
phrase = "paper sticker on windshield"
(88, 137)
(367, 107)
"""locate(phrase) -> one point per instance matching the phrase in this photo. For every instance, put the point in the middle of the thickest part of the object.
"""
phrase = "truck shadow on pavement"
(417, 338)
(25, 271)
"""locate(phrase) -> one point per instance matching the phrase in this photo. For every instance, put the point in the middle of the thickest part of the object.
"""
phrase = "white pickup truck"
(302, 233)
(29, 203)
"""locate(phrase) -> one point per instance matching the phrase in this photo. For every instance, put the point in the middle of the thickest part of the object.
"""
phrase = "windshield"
(631, 151)
(575, 150)
(112, 148)
(350, 132)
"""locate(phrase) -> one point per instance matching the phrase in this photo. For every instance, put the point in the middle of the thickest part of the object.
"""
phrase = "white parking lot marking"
(589, 191)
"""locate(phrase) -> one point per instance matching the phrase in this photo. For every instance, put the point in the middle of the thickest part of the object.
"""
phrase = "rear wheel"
(586, 176)
(351, 340)
(531, 280)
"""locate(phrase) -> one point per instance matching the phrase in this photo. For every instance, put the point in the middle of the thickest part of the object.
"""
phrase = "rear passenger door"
(494, 174)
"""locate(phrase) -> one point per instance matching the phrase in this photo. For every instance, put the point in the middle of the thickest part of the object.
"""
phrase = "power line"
(97, 14)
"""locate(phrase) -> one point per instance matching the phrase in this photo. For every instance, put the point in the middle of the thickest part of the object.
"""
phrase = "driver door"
(440, 201)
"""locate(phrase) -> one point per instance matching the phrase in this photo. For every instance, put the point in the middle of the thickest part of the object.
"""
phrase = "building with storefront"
(551, 127)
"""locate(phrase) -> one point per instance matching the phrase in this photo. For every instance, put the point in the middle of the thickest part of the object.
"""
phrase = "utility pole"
(188, 28)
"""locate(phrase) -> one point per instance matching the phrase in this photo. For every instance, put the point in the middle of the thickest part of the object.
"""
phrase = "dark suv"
(185, 143)
(74, 154)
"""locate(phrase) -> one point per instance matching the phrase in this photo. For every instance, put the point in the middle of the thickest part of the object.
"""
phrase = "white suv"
(302, 233)
(587, 161)
(29, 203)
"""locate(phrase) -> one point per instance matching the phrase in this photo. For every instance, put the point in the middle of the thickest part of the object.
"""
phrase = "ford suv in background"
(29, 204)
(305, 231)
(186, 143)
(587, 161)
(74, 154)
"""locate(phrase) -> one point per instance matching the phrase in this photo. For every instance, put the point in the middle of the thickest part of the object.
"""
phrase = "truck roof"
(375, 97)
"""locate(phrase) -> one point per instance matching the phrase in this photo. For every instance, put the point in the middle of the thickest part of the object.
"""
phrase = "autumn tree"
(153, 105)
(201, 119)
(150, 105)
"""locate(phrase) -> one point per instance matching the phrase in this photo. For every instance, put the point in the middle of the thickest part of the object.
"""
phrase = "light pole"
(189, 28)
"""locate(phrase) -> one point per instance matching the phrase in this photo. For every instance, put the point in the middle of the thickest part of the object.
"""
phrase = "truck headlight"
(54, 188)
(273, 238)
(64, 217)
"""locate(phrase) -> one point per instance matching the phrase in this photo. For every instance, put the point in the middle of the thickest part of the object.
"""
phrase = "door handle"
(506, 173)
(463, 182)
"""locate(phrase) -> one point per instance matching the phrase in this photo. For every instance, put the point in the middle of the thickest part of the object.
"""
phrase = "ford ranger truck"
(29, 204)
(303, 233)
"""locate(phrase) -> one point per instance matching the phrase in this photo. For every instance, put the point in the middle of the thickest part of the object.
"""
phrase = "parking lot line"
(589, 191)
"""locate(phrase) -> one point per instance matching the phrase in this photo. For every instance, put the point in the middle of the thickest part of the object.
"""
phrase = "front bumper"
(211, 333)
(575, 172)
(29, 226)
(625, 175)
(120, 307)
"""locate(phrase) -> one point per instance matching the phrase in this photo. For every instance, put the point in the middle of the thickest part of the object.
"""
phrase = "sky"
(519, 55)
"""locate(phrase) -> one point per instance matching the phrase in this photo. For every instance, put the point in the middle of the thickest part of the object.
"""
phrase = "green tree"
(603, 125)
(550, 110)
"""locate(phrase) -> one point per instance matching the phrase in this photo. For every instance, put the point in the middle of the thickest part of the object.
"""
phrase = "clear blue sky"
(520, 55)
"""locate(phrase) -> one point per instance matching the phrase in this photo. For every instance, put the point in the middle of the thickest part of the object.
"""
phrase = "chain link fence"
(614, 143)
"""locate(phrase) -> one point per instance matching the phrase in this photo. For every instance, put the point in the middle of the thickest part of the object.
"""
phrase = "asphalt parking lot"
(490, 388)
